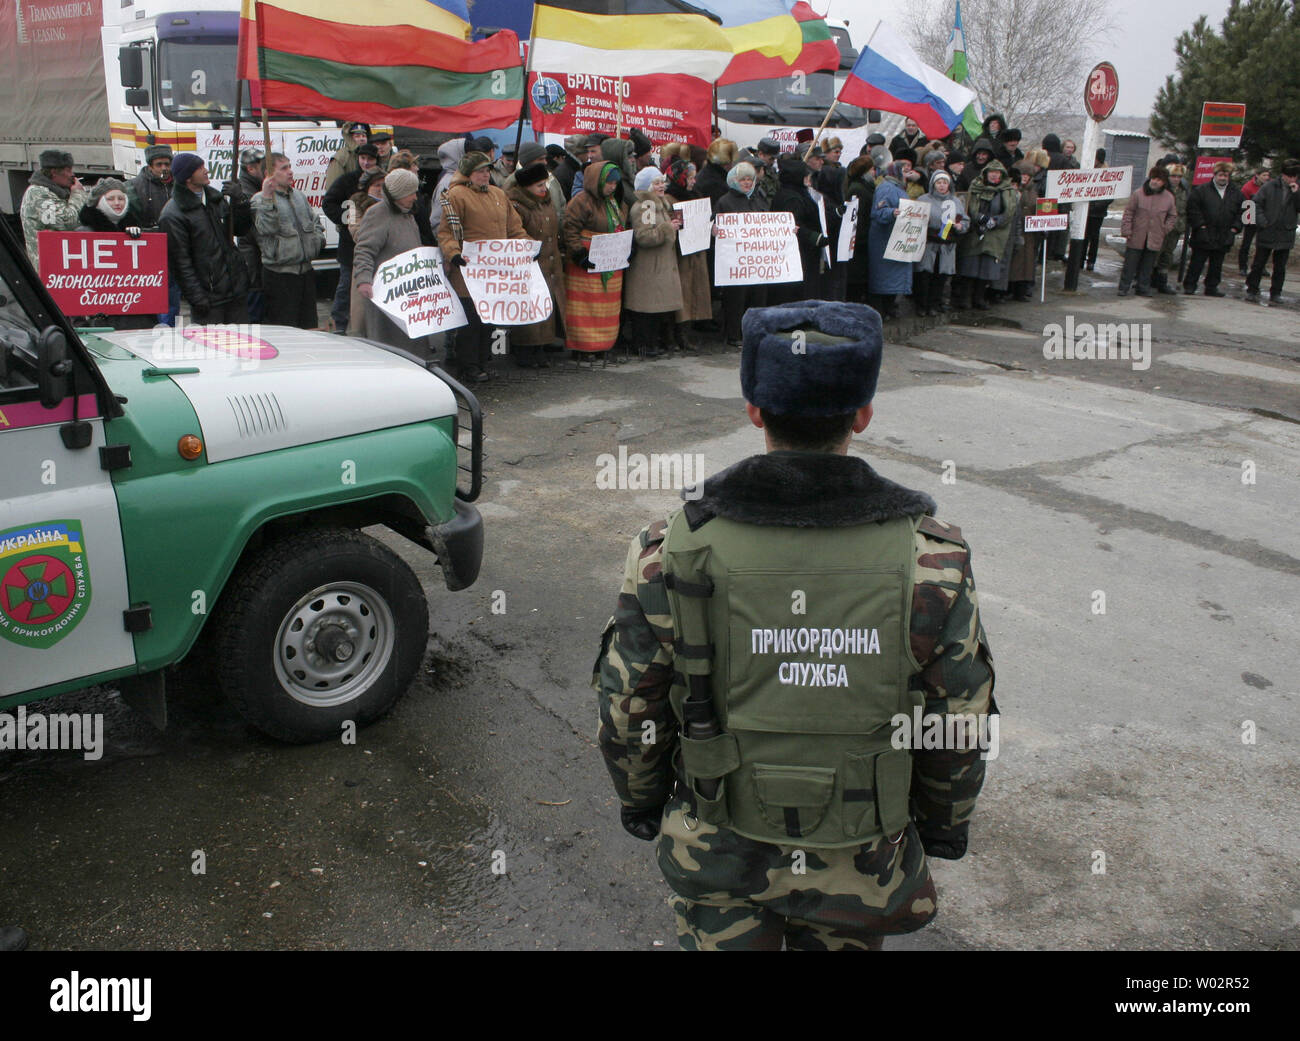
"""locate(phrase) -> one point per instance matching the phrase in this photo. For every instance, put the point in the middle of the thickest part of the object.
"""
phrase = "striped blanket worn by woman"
(595, 299)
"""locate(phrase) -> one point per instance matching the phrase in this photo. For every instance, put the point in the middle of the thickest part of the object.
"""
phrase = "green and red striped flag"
(972, 120)
(820, 53)
(336, 63)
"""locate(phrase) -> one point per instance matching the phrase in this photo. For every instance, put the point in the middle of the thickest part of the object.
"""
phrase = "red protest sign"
(666, 107)
(1221, 124)
(110, 273)
(1205, 164)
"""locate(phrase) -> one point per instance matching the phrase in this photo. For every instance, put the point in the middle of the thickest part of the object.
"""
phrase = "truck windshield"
(196, 80)
(788, 101)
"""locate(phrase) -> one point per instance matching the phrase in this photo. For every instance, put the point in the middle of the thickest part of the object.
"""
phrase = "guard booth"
(1129, 148)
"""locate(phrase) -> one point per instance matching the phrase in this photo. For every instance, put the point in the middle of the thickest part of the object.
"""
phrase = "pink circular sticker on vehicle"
(231, 341)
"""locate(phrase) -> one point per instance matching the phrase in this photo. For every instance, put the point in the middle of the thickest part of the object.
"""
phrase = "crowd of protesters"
(246, 252)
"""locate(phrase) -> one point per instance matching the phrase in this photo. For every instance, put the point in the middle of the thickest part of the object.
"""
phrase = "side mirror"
(53, 366)
(130, 64)
(137, 97)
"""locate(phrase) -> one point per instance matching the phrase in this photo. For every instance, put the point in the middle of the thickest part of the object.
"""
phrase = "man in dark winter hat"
(1008, 147)
(643, 149)
(53, 199)
(201, 257)
(384, 142)
(786, 815)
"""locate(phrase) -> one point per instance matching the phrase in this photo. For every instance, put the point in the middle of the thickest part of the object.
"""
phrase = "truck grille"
(257, 414)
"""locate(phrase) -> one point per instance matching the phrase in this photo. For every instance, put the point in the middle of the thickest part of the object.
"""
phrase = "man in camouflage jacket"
(53, 200)
(733, 892)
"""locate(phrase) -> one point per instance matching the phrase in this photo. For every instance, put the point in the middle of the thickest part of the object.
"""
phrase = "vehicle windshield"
(789, 101)
(17, 341)
(196, 80)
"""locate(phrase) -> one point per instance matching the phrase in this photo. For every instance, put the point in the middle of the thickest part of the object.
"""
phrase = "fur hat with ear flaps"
(811, 357)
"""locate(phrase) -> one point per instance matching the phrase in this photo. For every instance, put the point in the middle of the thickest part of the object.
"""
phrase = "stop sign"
(1101, 91)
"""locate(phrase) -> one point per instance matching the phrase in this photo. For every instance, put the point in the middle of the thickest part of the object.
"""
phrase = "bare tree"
(1024, 56)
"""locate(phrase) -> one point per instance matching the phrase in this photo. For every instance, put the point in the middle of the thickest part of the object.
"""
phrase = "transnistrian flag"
(628, 38)
(441, 16)
(888, 75)
(820, 53)
(766, 26)
(972, 119)
(399, 74)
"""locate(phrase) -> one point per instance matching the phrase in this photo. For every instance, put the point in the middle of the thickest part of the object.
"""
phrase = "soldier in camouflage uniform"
(733, 892)
(53, 200)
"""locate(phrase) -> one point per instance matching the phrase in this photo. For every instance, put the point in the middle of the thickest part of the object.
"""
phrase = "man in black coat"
(343, 188)
(1276, 207)
(1214, 218)
(202, 259)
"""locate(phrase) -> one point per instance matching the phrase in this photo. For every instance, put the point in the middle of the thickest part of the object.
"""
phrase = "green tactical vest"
(804, 701)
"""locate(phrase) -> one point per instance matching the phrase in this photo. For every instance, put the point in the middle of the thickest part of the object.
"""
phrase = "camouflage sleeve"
(632, 677)
(957, 680)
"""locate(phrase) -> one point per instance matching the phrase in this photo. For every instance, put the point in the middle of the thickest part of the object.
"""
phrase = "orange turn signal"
(190, 447)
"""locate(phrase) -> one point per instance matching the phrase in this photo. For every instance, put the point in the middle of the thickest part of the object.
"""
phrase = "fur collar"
(805, 490)
(39, 178)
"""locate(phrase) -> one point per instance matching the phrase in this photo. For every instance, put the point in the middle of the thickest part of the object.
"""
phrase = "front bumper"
(459, 546)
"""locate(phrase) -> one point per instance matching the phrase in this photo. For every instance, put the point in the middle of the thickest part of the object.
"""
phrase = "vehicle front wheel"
(318, 629)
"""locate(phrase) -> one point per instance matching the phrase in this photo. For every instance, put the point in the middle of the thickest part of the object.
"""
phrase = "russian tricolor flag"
(889, 76)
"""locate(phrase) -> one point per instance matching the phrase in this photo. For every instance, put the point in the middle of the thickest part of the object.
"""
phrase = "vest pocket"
(876, 791)
(793, 799)
(713, 757)
(893, 789)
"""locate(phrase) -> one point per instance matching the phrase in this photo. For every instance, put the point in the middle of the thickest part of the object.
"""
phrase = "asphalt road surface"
(1157, 741)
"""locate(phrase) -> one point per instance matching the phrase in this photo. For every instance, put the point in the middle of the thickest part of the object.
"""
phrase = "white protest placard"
(505, 281)
(820, 200)
(848, 243)
(697, 225)
(610, 251)
(907, 237)
(755, 248)
(1113, 182)
(413, 291)
(310, 152)
(1047, 222)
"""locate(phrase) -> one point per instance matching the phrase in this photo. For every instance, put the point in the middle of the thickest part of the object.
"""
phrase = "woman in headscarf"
(887, 278)
(653, 290)
(387, 229)
(692, 270)
(594, 299)
(530, 195)
(793, 198)
(948, 221)
(740, 197)
(111, 210)
(473, 209)
(993, 204)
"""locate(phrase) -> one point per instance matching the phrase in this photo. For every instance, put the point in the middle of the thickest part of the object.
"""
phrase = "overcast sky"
(1142, 48)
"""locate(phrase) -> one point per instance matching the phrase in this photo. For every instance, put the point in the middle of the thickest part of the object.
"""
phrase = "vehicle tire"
(316, 629)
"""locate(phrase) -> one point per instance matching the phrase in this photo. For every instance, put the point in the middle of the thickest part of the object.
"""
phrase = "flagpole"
(618, 119)
(234, 140)
(528, 71)
(831, 111)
